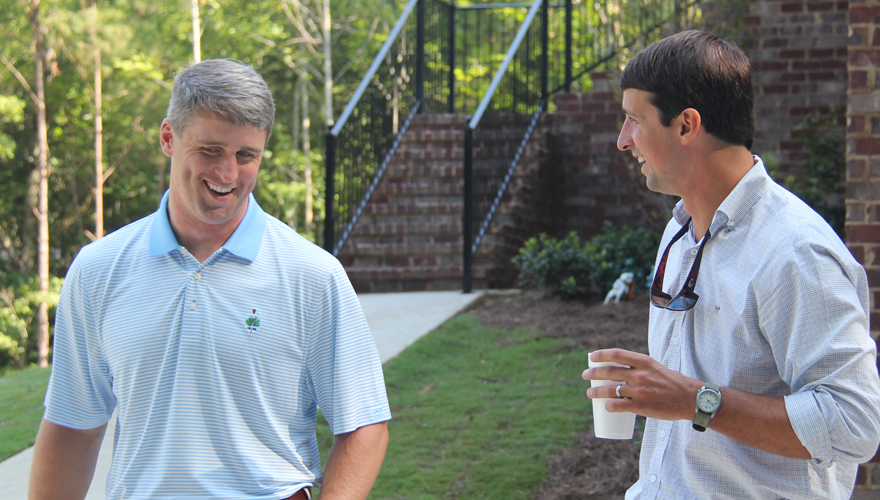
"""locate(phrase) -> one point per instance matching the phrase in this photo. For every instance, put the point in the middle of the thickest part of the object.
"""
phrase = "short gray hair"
(221, 88)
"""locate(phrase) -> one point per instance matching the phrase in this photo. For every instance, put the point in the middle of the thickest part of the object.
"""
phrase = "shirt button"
(653, 478)
(675, 341)
(197, 276)
(192, 306)
(662, 434)
(693, 251)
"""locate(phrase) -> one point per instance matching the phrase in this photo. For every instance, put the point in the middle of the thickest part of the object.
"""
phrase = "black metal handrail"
(494, 146)
(402, 81)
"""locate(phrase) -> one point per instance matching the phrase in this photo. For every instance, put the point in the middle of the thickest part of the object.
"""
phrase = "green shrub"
(20, 298)
(568, 268)
(560, 265)
(620, 249)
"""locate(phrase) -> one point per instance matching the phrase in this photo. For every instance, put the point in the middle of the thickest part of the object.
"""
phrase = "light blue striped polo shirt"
(216, 369)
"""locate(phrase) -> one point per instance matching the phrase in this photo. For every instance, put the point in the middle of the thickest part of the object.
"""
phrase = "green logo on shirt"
(253, 322)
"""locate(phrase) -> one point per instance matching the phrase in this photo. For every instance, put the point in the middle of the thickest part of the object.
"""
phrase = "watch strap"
(701, 421)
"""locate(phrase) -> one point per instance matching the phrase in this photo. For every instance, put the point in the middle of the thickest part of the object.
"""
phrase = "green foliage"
(11, 113)
(620, 249)
(561, 265)
(22, 394)
(821, 180)
(568, 268)
(477, 412)
(20, 298)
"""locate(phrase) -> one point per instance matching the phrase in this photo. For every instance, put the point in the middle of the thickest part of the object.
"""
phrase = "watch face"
(708, 401)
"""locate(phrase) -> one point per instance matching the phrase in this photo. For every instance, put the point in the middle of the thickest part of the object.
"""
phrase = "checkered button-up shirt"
(782, 312)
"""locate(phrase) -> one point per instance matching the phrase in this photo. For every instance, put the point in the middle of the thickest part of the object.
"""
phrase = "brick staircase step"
(409, 236)
(420, 209)
(365, 228)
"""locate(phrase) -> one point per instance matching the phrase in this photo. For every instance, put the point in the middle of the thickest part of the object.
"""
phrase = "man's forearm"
(354, 463)
(64, 462)
(759, 421)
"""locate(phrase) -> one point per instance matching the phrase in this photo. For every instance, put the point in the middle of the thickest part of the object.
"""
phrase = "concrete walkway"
(396, 320)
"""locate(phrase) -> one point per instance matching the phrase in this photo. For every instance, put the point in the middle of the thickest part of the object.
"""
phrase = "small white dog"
(620, 287)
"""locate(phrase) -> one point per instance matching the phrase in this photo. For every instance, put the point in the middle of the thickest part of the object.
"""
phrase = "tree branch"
(297, 23)
(79, 67)
(21, 79)
(359, 51)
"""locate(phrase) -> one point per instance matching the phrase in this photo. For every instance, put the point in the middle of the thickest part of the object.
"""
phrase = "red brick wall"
(599, 182)
(798, 52)
(863, 170)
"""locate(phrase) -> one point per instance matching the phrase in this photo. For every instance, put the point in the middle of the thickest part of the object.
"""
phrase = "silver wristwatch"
(708, 402)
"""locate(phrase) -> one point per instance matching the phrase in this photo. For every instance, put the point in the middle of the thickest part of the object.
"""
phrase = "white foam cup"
(610, 425)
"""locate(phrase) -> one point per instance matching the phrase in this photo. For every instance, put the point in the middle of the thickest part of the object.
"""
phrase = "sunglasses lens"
(659, 299)
(680, 303)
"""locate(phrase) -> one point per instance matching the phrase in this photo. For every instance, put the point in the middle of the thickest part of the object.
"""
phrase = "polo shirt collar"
(244, 242)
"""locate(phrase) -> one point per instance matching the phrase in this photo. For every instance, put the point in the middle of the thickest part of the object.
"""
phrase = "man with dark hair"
(214, 330)
(759, 325)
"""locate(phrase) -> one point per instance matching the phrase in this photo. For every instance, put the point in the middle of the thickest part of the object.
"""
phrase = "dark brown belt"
(303, 494)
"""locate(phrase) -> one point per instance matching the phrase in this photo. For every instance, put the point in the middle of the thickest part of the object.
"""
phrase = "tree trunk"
(197, 31)
(99, 129)
(43, 167)
(294, 129)
(328, 64)
(307, 167)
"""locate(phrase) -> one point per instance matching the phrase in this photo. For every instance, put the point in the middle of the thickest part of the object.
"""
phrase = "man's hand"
(354, 463)
(651, 389)
(657, 392)
(64, 462)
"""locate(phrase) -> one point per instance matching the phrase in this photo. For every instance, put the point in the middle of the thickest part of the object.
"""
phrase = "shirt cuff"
(808, 421)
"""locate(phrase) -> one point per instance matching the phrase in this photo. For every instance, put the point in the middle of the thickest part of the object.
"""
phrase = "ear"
(689, 125)
(166, 135)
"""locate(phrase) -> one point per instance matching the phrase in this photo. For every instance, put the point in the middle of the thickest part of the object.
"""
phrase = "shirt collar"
(740, 200)
(244, 242)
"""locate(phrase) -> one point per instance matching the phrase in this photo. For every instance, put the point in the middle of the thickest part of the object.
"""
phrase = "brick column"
(863, 172)
(798, 54)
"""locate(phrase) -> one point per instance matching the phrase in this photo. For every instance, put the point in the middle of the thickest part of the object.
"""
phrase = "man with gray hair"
(214, 330)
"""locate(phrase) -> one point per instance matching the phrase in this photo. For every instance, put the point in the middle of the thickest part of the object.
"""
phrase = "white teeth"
(641, 159)
(218, 189)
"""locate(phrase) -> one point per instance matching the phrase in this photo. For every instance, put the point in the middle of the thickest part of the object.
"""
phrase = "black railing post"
(420, 53)
(451, 34)
(329, 193)
(568, 42)
(545, 48)
(467, 223)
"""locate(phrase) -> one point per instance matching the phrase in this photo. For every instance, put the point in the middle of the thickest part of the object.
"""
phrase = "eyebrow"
(630, 113)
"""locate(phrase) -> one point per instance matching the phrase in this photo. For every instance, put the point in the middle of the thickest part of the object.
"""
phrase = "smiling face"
(653, 145)
(214, 167)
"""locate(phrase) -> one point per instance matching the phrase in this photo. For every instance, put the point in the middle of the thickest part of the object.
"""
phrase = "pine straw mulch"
(597, 469)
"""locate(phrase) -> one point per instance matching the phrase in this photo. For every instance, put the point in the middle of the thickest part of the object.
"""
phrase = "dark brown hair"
(695, 69)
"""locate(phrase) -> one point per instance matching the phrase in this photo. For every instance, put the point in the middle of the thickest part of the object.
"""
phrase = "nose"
(226, 167)
(624, 140)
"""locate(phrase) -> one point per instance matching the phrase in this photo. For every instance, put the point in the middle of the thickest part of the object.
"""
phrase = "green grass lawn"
(21, 411)
(477, 412)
